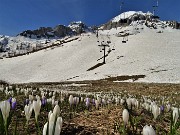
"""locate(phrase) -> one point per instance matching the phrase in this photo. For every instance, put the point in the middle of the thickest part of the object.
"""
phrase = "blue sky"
(19, 15)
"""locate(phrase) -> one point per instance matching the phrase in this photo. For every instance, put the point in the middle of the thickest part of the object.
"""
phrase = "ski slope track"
(147, 52)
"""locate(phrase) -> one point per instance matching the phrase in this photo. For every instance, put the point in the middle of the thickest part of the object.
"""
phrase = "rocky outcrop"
(61, 31)
(3, 43)
(47, 32)
(174, 24)
(79, 27)
(127, 20)
(58, 31)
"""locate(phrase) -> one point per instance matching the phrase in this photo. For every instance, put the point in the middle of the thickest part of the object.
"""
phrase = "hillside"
(151, 52)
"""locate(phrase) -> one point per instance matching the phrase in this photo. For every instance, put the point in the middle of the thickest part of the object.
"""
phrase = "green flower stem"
(6, 127)
(38, 128)
(27, 129)
(15, 129)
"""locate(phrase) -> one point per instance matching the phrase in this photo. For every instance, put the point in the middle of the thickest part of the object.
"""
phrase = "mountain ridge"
(74, 28)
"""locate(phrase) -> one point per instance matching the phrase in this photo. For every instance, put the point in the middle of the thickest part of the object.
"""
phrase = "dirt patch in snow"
(125, 77)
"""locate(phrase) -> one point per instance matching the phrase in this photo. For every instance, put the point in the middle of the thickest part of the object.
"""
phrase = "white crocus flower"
(58, 127)
(125, 116)
(155, 111)
(5, 109)
(137, 104)
(168, 106)
(28, 111)
(71, 101)
(31, 97)
(148, 130)
(37, 107)
(97, 104)
(13, 99)
(122, 101)
(51, 123)
(38, 97)
(45, 128)
(50, 94)
(175, 115)
(56, 110)
(133, 102)
(53, 102)
(49, 114)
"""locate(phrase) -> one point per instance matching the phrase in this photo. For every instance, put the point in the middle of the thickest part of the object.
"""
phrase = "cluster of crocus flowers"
(28, 111)
(54, 124)
(90, 101)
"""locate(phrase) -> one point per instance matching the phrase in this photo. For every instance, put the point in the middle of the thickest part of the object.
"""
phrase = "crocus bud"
(56, 102)
(117, 100)
(71, 101)
(31, 97)
(28, 111)
(168, 106)
(148, 130)
(44, 101)
(93, 101)
(122, 101)
(37, 107)
(104, 101)
(162, 108)
(87, 102)
(26, 102)
(5, 109)
(45, 129)
(97, 104)
(58, 127)
(56, 110)
(13, 105)
(125, 116)
(76, 100)
(175, 115)
(137, 104)
(129, 103)
(49, 114)
(50, 94)
(155, 111)
(51, 123)
(82, 99)
(133, 102)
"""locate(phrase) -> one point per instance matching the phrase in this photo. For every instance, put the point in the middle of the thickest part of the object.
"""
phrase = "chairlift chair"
(123, 41)
(113, 48)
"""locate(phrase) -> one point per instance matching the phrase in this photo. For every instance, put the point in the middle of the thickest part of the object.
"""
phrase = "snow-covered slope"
(152, 50)
(149, 53)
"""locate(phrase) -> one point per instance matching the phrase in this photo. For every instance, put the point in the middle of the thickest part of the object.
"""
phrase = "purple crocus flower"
(93, 101)
(13, 105)
(26, 101)
(10, 100)
(74, 100)
(87, 102)
(162, 108)
(44, 101)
